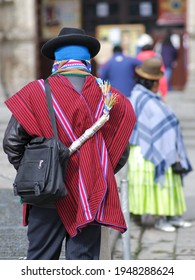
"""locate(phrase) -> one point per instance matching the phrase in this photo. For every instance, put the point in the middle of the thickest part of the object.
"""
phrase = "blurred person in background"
(144, 39)
(120, 71)
(145, 50)
(156, 144)
(169, 56)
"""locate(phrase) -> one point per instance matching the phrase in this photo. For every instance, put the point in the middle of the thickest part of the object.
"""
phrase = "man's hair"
(117, 48)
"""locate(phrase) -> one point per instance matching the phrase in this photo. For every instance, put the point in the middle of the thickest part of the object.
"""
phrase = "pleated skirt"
(146, 197)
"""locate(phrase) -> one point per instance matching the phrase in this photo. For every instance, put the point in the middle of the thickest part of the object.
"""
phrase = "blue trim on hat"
(72, 52)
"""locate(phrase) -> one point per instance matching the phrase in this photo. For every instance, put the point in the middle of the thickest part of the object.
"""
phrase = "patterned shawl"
(157, 132)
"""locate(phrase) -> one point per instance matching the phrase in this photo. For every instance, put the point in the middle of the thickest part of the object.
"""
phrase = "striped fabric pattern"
(85, 175)
(70, 64)
(68, 129)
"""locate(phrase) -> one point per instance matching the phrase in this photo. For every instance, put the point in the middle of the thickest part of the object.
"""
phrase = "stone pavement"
(145, 243)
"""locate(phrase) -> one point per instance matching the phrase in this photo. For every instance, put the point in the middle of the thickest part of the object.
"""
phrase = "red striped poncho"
(92, 190)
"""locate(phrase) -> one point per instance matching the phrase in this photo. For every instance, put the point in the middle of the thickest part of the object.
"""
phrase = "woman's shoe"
(179, 222)
(163, 225)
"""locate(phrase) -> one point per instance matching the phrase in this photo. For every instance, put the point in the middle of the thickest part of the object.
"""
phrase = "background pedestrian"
(146, 50)
(120, 71)
(169, 56)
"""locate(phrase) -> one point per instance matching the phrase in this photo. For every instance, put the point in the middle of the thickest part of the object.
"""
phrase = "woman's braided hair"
(145, 82)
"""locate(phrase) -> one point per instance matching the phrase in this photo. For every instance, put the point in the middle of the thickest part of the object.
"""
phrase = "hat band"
(72, 52)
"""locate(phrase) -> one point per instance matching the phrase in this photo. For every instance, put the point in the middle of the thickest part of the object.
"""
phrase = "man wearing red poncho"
(92, 199)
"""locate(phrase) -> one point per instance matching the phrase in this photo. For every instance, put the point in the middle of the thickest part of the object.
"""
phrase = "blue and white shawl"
(157, 131)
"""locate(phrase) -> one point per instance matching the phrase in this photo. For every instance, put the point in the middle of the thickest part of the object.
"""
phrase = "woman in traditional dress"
(156, 144)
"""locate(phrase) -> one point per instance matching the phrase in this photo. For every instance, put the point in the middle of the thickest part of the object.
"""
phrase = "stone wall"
(17, 44)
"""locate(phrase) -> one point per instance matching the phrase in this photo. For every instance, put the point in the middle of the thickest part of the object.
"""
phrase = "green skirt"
(146, 197)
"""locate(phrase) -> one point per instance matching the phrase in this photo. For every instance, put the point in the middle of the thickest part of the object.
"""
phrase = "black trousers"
(46, 234)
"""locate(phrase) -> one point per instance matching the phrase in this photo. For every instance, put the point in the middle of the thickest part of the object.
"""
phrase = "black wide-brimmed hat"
(150, 69)
(70, 36)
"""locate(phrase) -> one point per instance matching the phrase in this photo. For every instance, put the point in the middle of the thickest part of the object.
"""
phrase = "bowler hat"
(150, 69)
(70, 36)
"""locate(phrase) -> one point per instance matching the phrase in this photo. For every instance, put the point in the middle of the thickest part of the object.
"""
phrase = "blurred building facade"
(17, 44)
(25, 25)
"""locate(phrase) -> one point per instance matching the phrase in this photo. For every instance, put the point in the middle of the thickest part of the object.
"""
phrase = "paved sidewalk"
(146, 243)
